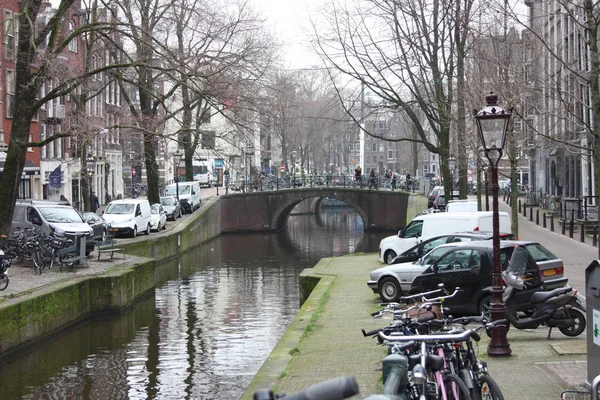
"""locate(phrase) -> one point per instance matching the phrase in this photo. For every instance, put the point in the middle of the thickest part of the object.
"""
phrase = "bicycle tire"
(38, 261)
(3, 281)
(462, 389)
(489, 389)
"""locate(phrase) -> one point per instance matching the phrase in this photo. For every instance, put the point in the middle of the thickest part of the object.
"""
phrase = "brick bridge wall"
(268, 211)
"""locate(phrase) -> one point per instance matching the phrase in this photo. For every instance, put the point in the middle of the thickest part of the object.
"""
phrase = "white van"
(189, 194)
(52, 217)
(429, 225)
(127, 217)
(461, 206)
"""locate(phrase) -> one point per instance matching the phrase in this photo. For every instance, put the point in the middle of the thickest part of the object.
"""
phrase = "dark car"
(97, 223)
(172, 207)
(416, 252)
(433, 194)
(469, 267)
(439, 203)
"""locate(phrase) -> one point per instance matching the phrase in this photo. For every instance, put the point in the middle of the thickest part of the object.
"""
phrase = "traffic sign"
(282, 167)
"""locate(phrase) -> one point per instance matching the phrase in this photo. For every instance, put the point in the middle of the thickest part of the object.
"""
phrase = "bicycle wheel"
(38, 261)
(489, 389)
(455, 388)
(3, 281)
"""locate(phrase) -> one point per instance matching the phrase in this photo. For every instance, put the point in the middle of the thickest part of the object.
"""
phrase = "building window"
(10, 93)
(10, 22)
(374, 147)
(374, 159)
(73, 42)
(208, 139)
(381, 149)
(390, 154)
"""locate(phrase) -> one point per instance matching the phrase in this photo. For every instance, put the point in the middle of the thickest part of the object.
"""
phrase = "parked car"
(98, 225)
(127, 217)
(158, 217)
(172, 207)
(469, 266)
(394, 281)
(439, 202)
(433, 194)
(416, 252)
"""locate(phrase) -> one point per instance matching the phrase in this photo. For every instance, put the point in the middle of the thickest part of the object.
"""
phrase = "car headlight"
(57, 231)
(91, 232)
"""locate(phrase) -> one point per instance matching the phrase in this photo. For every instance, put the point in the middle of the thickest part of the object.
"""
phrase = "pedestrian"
(393, 183)
(94, 203)
(64, 199)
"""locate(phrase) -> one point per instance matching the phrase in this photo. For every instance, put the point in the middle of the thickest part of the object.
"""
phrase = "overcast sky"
(288, 18)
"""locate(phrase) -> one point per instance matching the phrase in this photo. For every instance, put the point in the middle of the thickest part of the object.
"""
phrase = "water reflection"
(215, 316)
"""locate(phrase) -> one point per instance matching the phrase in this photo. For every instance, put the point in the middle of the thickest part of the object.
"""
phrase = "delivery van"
(188, 192)
(429, 225)
(52, 217)
(127, 217)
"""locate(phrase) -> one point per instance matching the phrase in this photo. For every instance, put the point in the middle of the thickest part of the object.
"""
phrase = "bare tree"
(406, 54)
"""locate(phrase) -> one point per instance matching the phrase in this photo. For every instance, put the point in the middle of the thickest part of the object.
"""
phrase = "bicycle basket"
(5, 262)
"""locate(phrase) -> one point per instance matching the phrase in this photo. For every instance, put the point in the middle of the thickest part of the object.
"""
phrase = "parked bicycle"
(5, 263)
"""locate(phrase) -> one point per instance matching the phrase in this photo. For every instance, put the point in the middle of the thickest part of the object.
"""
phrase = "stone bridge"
(269, 211)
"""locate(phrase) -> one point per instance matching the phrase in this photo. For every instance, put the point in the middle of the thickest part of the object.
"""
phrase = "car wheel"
(389, 256)
(134, 232)
(164, 225)
(484, 307)
(147, 232)
(389, 289)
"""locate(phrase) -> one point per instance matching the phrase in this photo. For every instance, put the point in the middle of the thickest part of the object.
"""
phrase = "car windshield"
(119, 208)
(60, 214)
(167, 201)
(155, 208)
(171, 190)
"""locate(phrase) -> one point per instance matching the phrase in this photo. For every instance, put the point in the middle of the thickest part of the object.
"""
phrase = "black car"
(433, 194)
(416, 252)
(469, 267)
(97, 223)
(439, 203)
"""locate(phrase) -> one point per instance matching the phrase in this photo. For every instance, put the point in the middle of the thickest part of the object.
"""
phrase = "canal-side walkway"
(334, 346)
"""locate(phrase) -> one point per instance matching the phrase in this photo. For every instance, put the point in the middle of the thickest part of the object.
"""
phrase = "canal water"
(215, 316)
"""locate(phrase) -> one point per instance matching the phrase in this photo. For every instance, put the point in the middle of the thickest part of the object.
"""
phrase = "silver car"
(394, 280)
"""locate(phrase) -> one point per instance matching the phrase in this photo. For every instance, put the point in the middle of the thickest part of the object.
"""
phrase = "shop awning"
(218, 163)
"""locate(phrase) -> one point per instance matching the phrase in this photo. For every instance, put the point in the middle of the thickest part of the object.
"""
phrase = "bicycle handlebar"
(442, 298)
(333, 389)
(452, 337)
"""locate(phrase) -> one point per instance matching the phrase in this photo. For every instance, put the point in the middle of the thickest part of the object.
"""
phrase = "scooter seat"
(540, 297)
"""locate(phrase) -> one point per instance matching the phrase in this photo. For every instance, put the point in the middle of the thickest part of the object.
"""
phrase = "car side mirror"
(400, 234)
(434, 268)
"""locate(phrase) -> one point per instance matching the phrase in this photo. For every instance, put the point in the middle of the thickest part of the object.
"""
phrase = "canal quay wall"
(35, 306)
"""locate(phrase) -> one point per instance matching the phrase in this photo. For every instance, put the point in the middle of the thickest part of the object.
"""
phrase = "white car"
(394, 281)
(158, 217)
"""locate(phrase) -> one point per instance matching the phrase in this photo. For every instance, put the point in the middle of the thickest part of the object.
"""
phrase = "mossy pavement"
(325, 341)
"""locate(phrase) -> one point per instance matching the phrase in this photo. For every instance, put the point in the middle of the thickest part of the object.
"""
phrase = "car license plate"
(549, 272)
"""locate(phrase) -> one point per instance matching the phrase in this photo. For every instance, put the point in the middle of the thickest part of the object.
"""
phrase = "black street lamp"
(492, 124)
(176, 160)
(452, 166)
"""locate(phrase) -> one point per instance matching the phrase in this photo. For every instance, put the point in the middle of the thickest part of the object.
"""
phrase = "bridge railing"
(270, 183)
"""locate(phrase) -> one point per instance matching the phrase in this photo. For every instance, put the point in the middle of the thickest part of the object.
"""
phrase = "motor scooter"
(555, 308)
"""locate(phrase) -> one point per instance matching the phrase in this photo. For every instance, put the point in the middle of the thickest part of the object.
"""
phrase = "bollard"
(519, 206)
(582, 234)
(551, 222)
(525, 210)
(537, 216)
(571, 228)
(531, 213)
(564, 226)
(544, 219)
(595, 236)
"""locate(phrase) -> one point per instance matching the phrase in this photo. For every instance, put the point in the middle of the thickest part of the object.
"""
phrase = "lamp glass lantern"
(492, 125)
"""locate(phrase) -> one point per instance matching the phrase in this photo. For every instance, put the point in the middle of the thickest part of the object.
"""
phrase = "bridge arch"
(268, 211)
(282, 214)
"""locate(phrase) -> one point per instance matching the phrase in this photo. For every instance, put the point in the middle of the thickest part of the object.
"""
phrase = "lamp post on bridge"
(492, 125)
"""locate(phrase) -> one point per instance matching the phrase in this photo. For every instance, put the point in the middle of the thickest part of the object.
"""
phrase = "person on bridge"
(358, 175)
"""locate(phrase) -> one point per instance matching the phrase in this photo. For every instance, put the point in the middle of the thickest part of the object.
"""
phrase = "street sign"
(470, 179)
(282, 167)
(470, 172)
